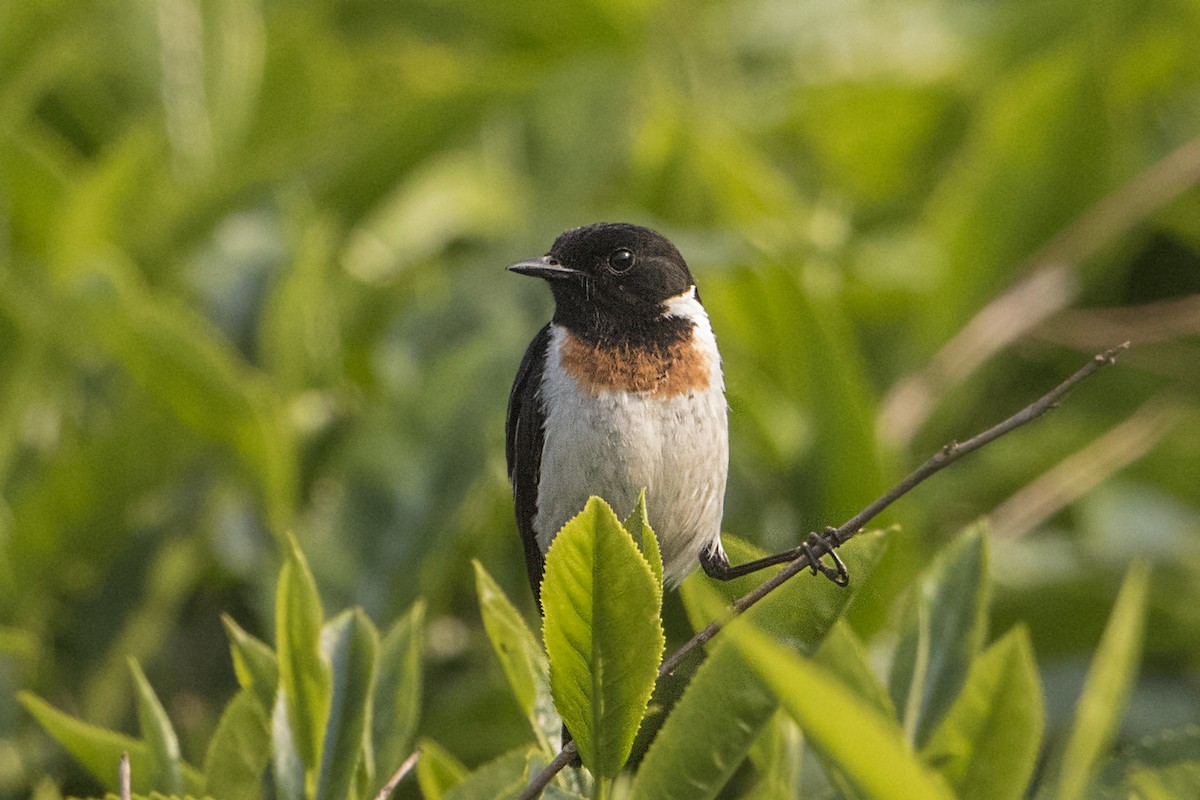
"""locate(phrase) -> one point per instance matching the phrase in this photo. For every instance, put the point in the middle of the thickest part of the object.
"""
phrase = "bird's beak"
(544, 267)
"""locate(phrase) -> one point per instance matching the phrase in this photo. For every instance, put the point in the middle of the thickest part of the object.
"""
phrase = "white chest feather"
(614, 443)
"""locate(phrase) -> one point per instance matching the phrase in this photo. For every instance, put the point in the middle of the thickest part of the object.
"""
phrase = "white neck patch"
(686, 304)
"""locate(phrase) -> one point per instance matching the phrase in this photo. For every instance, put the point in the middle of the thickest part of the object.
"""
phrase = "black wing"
(523, 448)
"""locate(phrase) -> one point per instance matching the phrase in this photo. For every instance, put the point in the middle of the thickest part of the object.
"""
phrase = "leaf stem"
(124, 777)
(398, 775)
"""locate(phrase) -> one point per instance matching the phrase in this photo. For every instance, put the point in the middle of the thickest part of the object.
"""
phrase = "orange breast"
(673, 369)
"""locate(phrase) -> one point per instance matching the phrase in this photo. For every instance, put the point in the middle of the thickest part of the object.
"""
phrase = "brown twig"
(398, 775)
(838, 536)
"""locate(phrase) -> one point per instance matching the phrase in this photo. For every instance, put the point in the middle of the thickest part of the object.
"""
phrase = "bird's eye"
(621, 260)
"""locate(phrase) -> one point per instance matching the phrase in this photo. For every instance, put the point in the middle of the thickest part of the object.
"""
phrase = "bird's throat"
(666, 368)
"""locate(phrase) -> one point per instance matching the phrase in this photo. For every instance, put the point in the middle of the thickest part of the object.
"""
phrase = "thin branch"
(398, 776)
(124, 777)
(955, 450)
(838, 536)
(543, 778)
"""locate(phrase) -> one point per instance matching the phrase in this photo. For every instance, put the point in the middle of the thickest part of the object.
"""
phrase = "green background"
(251, 281)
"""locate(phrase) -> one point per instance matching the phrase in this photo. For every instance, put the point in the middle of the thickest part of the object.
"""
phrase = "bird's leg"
(716, 565)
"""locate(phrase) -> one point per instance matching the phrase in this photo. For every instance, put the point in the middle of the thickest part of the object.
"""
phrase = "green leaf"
(288, 769)
(498, 779)
(437, 770)
(778, 755)
(521, 656)
(603, 634)
(303, 675)
(987, 743)
(709, 732)
(868, 748)
(843, 654)
(97, 749)
(943, 635)
(350, 645)
(724, 708)
(638, 525)
(398, 690)
(254, 664)
(239, 750)
(1106, 689)
(161, 742)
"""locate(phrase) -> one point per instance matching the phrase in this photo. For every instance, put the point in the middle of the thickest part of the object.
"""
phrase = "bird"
(621, 391)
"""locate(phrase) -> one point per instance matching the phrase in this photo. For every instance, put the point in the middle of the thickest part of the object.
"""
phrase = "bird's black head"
(610, 276)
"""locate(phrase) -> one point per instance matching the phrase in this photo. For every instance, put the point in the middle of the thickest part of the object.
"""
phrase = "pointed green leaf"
(638, 525)
(778, 755)
(987, 743)
(97, 749)
(254, 664)
(437, 770)
(1106, 689)
(350, 645)
(709, 732)
(603, 634)
(364, 774)
(943, 635)
(398, 690)
(239, 751)
(161, 742)
(522, 658)
(287, 768)
(303, 675)
(498, 779)
(868, 748)
(843, 654)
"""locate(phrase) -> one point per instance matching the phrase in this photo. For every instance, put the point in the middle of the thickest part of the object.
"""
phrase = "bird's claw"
(818, 545)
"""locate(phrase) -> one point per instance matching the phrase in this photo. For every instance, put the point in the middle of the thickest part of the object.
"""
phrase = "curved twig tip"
(1109, 356)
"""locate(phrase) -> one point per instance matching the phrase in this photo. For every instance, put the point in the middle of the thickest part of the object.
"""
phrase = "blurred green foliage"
(251, 281)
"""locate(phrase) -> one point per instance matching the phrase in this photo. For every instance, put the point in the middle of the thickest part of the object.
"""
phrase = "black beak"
(545, 267)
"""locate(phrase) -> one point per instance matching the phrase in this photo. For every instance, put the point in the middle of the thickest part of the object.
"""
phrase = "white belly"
(613, 444)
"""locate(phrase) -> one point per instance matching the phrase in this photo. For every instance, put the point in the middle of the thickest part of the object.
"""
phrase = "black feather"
(523, 449)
